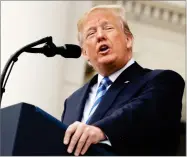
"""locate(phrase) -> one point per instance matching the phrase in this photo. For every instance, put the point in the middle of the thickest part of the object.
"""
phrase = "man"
(125, 108)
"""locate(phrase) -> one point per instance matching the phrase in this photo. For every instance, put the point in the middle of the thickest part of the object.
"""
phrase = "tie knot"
(106, 82)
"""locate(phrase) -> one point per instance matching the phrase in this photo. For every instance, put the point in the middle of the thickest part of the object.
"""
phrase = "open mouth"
(103, 48)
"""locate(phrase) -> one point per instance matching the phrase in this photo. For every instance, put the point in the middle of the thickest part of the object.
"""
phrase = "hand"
(83, 135)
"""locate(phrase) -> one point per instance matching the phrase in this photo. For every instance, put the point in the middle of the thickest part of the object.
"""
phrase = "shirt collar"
(114, 76)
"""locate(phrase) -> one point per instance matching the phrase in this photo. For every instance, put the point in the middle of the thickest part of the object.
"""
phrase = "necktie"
(105, 82)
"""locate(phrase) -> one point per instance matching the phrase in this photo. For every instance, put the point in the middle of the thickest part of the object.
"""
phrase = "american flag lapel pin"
(126, 82)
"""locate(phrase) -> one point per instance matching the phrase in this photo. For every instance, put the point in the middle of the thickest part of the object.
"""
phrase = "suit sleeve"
(150, 114)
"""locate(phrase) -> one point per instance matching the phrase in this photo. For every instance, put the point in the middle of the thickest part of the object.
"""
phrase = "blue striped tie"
(105, 82)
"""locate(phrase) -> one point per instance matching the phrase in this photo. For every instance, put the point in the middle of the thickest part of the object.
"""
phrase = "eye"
(108, 27)
(90, 33)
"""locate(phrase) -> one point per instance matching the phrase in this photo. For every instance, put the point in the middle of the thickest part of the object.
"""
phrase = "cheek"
(116, 37)
(119, 44)
(90, 47)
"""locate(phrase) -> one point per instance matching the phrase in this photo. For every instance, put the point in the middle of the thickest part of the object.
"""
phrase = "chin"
(107, 60)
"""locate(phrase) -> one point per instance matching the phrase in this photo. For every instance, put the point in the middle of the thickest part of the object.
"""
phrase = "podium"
(28, 130)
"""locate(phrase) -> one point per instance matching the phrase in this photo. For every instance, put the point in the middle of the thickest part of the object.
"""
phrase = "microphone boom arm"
(13, 58)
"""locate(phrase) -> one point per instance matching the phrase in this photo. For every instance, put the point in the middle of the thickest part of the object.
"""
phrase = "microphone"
(50, 50)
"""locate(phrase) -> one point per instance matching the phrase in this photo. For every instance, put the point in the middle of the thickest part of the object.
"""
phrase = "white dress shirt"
(91, 98)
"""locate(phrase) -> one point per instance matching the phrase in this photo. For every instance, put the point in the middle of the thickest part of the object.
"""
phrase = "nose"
(100, 35)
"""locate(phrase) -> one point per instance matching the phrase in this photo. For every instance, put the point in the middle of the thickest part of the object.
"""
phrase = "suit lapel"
(124, 80)
(83, 97)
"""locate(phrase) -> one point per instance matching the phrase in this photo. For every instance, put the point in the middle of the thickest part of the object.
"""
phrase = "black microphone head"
(48, 50)
(71, 51)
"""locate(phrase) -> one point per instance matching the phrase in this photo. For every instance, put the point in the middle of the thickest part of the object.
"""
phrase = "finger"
(81, 143)
(75, 138)
(70, 130)
(86, 146)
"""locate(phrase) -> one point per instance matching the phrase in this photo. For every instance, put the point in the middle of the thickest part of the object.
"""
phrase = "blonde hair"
(117, 9)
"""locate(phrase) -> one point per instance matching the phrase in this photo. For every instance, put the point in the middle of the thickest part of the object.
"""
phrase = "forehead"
(99, 16)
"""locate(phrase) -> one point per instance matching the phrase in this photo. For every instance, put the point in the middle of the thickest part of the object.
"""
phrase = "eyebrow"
(105, 23)
(90, 28)
(93, 27)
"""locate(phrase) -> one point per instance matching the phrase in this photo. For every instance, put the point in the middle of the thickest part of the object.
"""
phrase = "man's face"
(104, 43)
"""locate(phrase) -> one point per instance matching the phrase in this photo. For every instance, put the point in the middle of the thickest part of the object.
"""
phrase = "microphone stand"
(14, 58)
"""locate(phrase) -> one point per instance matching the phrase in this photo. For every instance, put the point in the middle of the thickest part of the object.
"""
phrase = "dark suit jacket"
(139, 117)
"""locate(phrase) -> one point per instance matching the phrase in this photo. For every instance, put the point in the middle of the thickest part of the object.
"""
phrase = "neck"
(108, 70)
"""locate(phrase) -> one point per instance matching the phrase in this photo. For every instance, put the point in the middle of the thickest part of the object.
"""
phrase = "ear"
(129, 41)
(85, 55)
